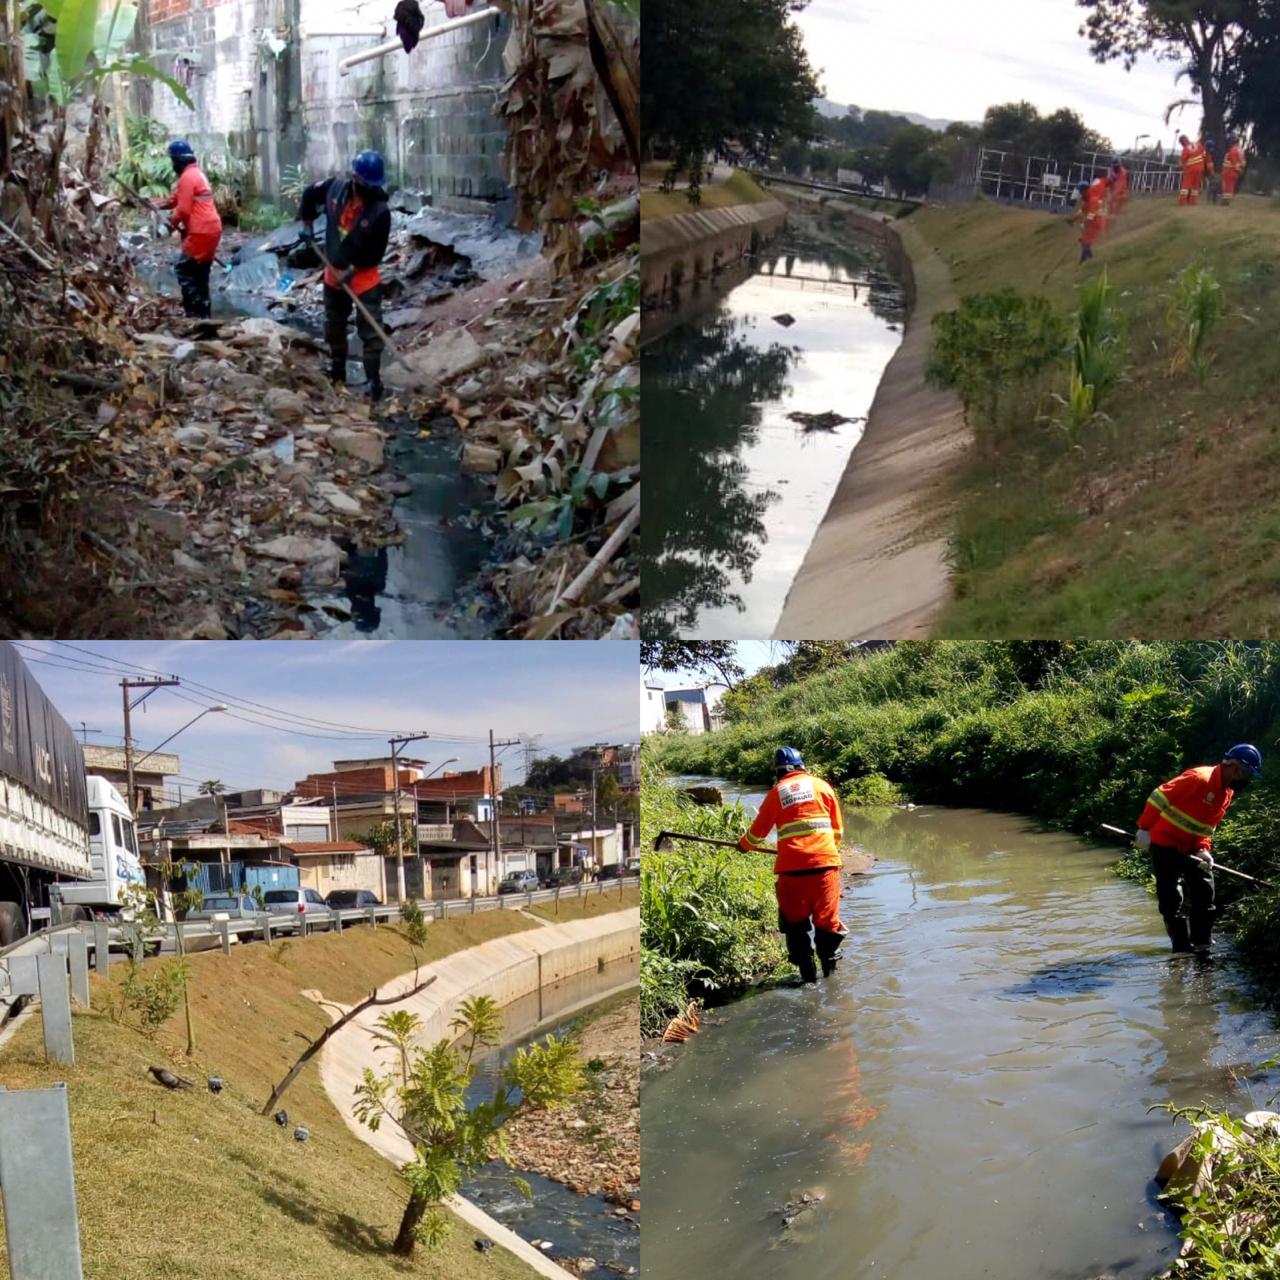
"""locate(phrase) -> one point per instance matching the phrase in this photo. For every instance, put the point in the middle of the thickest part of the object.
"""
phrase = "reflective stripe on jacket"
(194, 212)
(1183, 812)
(806, 812)
(1235, 159)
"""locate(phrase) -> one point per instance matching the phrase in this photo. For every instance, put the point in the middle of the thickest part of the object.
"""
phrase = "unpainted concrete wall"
(431, 113)
(677, 250)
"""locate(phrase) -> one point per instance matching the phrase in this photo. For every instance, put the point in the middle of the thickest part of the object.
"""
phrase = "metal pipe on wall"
(381, 50)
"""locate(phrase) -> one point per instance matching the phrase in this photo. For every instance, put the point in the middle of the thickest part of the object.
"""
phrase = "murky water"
(735, 489)
(577, 1226)
(970, 1092)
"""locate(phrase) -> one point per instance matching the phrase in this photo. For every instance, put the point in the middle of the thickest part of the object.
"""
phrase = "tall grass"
(1074, 733)
(708, 916)
(1097, 355)
(1196, 306)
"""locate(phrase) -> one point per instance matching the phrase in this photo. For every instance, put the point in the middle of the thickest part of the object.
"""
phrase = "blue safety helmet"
(368, 167)
(1082, 186)
(180, 149)
(1247, 755)
(787, 758)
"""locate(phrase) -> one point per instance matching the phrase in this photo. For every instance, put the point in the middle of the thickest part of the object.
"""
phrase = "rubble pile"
(165, 477)
(593, 1145)
(545, 387)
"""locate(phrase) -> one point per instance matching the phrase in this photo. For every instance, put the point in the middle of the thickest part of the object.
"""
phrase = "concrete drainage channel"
(509, 970)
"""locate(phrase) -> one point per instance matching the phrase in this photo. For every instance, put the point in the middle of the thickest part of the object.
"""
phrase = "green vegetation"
(738, 188)
(1232, 1224)
(1097, 355)
(1073, 733)
(263, 217)
(1109, 533)
(299, 1211)
(428, 1104)
(721, 75)
(991, 348)
(708, 916)
(1195, 308)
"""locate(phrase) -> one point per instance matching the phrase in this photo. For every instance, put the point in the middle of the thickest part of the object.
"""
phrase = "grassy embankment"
(1164, 520)
(590, 905)
(1073, 734)
(738, 188)
(189, 1184)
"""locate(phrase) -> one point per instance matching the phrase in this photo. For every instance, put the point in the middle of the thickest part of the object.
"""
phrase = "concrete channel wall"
(878, 566)
(506, 969)
(685, 247)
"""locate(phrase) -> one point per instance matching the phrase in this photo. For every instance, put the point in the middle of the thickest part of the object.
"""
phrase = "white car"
(292, 905)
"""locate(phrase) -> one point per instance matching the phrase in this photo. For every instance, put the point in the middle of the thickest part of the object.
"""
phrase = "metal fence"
(1043, 182)
(94, 940)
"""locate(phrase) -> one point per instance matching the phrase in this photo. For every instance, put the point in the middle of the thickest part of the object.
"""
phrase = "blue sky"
(751, 655)
(568, 692)
(953, 60)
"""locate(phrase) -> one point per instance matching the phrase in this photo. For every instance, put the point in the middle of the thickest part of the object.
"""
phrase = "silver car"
(293, 905)
(226, 906)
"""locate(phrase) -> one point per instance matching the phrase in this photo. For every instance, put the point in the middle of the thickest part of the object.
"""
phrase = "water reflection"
(970, 1096)
(736, 487)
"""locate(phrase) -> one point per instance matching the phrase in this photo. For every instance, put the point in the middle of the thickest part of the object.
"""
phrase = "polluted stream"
(576, 1226)
(736, 489)
(427, 585)
(971, 1094)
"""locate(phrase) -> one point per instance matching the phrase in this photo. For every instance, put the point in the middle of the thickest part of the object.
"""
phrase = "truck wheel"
(12, 924)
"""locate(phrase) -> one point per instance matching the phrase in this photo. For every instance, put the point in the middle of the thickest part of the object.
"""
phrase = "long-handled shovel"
(663, 843)
(1217, 866)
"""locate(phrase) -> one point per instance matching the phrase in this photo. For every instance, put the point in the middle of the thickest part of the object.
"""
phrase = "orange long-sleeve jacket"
(1183, 813)
(806, 812)
(1234, 158)
(1195, 160)
(194, 213)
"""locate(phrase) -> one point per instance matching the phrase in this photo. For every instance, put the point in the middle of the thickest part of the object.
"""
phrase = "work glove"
(1144, 840)
(1203, 855)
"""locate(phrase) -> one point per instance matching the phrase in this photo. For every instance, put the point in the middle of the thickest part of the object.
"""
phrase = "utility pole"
(493, 787)
(396, 744)
(593, 816)
(335, 810)
(150, 686)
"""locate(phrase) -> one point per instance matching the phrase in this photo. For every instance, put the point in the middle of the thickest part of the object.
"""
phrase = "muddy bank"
(877, 567)
(593, 1145)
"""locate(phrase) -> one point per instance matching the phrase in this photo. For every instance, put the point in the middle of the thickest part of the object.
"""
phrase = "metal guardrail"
(18, 960)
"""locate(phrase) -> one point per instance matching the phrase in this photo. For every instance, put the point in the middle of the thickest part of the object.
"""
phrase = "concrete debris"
(367, 446)
(170, 525)
(285, 406)
(338, 499)
(297, 549)
(446, 357)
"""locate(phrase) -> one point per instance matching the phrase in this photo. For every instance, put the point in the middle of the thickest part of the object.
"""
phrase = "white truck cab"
(113, 853)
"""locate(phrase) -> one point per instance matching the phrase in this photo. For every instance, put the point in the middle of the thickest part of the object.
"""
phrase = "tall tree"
(721, 75)
(1205, 39)
(706, 657)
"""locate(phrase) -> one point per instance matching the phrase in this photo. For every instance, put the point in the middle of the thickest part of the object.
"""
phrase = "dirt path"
(877, 567)
(593, 1146)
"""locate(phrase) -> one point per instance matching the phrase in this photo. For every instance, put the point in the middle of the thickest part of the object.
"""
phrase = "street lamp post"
(396, 744)
(133, 764)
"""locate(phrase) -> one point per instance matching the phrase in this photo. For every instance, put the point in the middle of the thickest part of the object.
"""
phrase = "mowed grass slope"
(738, 188)
(589, 906)
(1164, 521)
(179, 1185)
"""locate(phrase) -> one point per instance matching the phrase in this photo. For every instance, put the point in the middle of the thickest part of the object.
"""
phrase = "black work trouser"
(1184, 891)
(193, 280)
(338, 307)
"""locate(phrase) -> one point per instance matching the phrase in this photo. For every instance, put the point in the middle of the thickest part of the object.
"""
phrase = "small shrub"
(990, 345)
(154, 1000)
(1194, 310)
(873, 789)
(1098, 355)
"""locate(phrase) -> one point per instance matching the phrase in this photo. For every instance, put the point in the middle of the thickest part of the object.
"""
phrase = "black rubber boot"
(338, 373)
(373, 372)
(808, 968)
(799, 947)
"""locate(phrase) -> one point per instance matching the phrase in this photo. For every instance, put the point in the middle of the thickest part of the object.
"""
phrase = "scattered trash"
(785, 319)
(828, 421)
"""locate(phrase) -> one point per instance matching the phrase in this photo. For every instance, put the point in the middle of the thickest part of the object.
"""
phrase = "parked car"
(346, 899)
(519, 882)
(633, 866)
(610, 871)
(226, 906)
(293, 904)
(563, 876)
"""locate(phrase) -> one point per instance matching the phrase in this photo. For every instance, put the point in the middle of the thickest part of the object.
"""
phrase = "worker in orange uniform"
(1119, 189)
(195, 216)
(1177, 825)
(1091, 213)
(1233, 167)
(356, 230)
(806, 812)
(1195, 164)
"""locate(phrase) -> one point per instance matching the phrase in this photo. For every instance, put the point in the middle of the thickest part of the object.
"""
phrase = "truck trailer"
(68, 847)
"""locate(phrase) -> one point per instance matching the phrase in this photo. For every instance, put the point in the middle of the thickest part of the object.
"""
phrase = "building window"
(344, 861)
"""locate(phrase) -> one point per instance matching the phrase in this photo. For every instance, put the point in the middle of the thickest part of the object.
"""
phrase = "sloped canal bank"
(970, 1095)
(741, 484)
